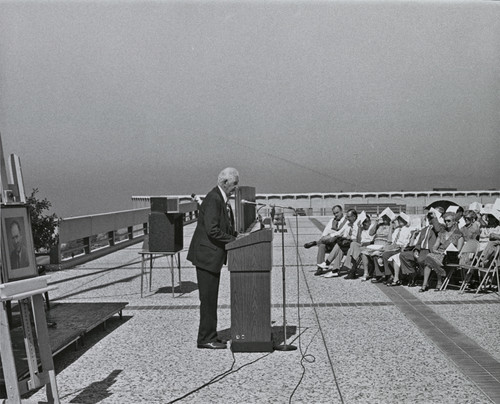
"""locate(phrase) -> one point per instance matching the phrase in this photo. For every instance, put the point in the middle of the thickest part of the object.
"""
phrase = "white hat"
(389, 213)
(491, 211)
(405, 217)
(476, 206)
(361, 217)
(496, 205)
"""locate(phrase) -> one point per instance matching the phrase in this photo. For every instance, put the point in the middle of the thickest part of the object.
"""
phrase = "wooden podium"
(250, 262)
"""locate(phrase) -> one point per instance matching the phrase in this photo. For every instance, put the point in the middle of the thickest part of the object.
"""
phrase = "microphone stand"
(285, 346)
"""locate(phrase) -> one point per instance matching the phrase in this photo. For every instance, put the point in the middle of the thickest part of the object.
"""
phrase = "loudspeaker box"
(166, 232)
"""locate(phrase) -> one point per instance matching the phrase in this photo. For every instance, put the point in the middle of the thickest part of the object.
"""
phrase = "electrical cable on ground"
(304, 357)
(220, 376)
(320, 330)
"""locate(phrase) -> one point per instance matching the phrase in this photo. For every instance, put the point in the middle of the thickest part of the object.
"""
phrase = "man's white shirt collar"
(223, 194)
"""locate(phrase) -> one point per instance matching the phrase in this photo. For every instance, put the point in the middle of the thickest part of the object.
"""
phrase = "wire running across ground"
(300, 271)
(220, 376)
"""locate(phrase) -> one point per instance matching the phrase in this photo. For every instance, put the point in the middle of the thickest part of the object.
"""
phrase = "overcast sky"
(103, 100)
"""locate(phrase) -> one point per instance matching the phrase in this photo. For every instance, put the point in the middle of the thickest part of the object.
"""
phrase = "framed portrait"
(18, 253)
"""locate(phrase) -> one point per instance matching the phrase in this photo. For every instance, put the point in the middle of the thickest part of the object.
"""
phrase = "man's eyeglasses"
(449, 221)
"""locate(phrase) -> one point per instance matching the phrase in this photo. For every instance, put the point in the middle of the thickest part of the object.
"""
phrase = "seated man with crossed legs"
(329, 237)
(346, 236)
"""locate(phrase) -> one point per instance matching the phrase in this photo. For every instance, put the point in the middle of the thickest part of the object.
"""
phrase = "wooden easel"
(27, 292)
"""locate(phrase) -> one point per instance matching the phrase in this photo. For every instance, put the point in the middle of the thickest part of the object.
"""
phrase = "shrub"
(43, 225)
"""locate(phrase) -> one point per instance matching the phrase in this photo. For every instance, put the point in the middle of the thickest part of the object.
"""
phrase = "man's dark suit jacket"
(20, 260)
(214, 230)
(436, 227)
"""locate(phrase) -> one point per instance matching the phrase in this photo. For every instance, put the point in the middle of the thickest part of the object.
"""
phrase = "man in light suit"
(328, 238)
(215, 228)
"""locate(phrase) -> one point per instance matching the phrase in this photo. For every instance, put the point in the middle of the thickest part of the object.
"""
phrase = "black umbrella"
(442, 203)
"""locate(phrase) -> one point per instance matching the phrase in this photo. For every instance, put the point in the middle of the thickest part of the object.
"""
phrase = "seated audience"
(391, 250)
(435, 259)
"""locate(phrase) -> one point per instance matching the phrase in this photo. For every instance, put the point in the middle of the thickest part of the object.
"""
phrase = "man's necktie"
(425, 241)
(17, 261)
(396, 239)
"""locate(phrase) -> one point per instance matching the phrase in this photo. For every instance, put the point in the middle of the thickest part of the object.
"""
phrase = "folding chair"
(467, 254)
(490, 272)
(478, 265)
(471, 267)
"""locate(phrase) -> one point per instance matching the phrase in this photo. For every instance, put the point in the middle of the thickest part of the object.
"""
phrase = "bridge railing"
(84, 238)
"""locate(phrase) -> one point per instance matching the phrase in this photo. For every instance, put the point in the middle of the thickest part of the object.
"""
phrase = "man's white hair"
(228, 173)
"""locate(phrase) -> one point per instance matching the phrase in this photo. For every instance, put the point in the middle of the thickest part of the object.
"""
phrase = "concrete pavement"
(358, 342)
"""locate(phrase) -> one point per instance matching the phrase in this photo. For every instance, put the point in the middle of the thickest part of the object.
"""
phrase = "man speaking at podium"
(215, 228)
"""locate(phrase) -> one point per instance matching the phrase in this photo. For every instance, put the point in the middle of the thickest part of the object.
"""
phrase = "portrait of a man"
(18, 253)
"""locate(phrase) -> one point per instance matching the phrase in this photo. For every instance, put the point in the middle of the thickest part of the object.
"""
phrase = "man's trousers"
(208, 287)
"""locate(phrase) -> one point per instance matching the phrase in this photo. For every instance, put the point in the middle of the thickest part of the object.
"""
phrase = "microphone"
(283, 207)
(245, 202)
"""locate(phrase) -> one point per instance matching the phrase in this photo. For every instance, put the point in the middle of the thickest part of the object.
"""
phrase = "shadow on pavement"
(186, 287)
(97, 391)
(73, 352)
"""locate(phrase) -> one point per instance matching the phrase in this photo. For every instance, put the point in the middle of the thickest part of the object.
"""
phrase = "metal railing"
(84, 238)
